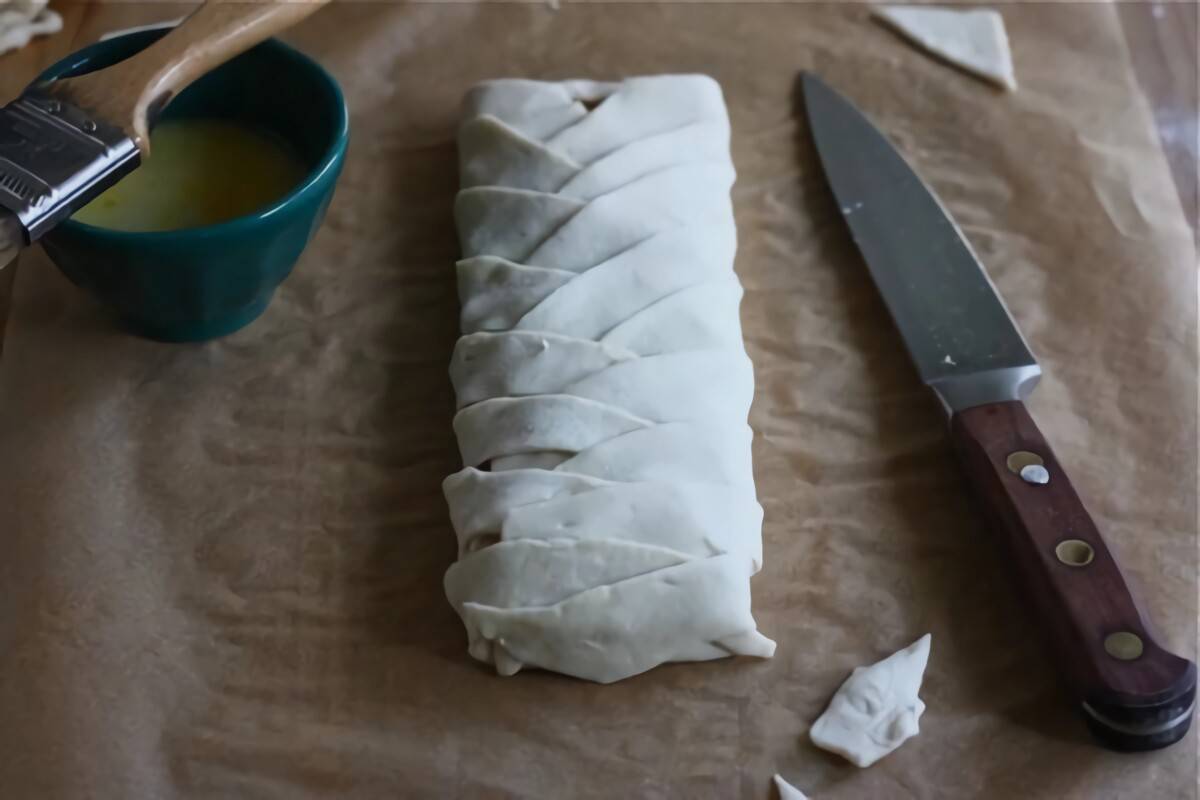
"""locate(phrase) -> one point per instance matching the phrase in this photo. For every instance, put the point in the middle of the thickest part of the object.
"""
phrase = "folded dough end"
(694, 611)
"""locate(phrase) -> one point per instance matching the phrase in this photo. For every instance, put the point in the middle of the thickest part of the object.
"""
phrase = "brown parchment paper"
(222, 563)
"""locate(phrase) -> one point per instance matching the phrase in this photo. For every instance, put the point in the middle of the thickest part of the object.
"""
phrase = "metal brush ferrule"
(55, 157)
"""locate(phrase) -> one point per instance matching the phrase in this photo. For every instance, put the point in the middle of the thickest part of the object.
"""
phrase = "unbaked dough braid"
(606, 517)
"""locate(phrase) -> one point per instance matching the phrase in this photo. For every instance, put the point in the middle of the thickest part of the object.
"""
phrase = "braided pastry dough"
(606, 516)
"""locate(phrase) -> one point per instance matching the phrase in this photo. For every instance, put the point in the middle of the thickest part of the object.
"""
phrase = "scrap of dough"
(21, 20)
(606, 516)
(876, 709)
(787, 791)
(973, 40)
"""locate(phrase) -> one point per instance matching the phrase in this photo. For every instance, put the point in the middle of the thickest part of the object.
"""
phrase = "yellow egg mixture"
(200, 172)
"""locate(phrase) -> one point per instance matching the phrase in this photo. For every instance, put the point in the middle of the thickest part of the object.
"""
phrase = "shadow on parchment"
(412, 554)
(989, 626)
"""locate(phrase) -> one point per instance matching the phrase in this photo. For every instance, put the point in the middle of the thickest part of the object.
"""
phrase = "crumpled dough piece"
(606, 517)
(21, 20)
(973, 40)
(786, 791)
(876, 709)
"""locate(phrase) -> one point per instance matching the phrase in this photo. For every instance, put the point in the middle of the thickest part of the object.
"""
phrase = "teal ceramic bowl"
(200, 283)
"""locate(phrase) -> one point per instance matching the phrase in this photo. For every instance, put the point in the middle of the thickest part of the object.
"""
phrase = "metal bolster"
(54, 158)
(960, 392)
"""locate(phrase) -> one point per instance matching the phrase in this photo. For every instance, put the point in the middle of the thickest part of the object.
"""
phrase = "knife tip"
(812, 86)
(808, 78)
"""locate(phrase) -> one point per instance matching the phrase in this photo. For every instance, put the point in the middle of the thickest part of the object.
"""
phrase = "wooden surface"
(1163, 40)
(1161, 36)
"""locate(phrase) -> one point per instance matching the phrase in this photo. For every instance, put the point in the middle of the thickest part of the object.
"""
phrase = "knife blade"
(953, 322)
(1133, 694)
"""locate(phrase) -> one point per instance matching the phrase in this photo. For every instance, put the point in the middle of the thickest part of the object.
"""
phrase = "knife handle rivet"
(1021, 459)
(1123, 645)
(1074, 552)
(1035, 474)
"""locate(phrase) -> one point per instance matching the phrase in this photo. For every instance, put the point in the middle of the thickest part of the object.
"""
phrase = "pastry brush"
(62, 143)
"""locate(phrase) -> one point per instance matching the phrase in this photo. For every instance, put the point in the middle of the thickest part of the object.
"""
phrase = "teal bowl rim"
(328, 161)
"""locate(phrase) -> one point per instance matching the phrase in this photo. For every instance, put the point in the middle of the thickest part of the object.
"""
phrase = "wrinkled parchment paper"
(222, 563)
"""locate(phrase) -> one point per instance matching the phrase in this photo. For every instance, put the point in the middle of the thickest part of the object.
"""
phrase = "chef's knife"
(1134, 695)
(63, 143)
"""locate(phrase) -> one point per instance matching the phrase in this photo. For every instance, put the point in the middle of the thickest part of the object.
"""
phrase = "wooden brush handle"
(1134, 694)
(128, 94)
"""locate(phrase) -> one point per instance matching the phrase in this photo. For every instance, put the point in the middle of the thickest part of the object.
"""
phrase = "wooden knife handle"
(130, 92)
(1134, 694)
